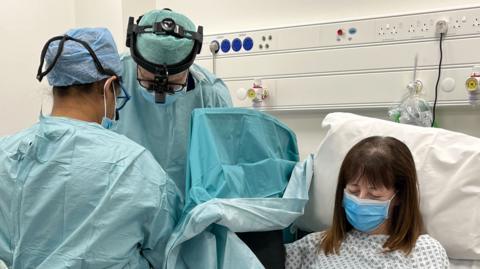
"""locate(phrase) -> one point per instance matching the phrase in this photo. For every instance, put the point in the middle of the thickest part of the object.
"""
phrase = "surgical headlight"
(161, 71)
(168, 25)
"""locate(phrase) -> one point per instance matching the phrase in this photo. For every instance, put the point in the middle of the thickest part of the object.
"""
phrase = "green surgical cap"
(164, 49)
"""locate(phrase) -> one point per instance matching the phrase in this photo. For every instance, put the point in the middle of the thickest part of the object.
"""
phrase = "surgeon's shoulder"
(215, 91)
(203, 74)
(144, 160)
(126, 56)
(109, 141)
(141, 159)
(428, 248)
(121, 141)
(150, 168)
(152, 172)
(129, 67)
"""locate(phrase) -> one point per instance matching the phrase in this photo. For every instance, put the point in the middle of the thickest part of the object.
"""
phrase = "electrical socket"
(441, 27)
(476, 22)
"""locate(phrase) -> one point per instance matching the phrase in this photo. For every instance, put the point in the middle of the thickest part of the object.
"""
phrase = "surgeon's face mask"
(365, 215)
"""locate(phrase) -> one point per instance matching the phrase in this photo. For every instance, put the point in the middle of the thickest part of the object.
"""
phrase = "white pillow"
(448, 166)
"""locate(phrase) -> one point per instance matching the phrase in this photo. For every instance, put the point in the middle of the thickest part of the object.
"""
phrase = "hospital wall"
(112, 14)
(230, 16)
(218, 17)
(25, 26)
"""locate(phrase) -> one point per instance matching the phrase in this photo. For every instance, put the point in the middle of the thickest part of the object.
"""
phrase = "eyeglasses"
(123, 98)
(148, 84)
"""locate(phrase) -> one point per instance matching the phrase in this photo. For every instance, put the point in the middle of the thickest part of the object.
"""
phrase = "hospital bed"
(448, 166)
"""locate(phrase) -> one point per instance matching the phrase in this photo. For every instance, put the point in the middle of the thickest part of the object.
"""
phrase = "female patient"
(376, 221)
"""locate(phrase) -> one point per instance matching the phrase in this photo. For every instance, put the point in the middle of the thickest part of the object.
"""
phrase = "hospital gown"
(75, 195)
(360, 250)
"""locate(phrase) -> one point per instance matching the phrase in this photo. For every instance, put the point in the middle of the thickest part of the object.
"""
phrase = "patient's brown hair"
(383, 161)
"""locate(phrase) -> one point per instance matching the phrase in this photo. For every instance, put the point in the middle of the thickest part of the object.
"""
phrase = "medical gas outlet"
(235, 45)
(257, 93)
(214, 47)
(472, 85)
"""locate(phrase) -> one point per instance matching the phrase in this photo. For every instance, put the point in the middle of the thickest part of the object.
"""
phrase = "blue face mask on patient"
(365, 215)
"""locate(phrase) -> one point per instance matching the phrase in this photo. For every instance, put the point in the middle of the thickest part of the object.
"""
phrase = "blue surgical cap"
(75, 65)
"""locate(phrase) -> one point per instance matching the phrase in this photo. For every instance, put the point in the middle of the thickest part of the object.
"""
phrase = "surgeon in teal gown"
(163, 128)
(74, 194)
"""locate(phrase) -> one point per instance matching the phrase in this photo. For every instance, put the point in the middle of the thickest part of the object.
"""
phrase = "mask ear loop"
(115, 114)
(389, 203)
(105, 100)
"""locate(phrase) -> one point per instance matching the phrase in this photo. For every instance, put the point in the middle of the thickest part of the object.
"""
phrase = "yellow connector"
(471, 84)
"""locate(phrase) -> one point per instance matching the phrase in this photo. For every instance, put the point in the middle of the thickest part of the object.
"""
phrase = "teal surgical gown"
(164, 130)
(75, 195)
(243, 176)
